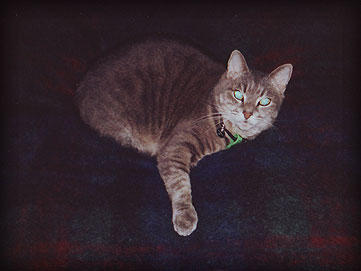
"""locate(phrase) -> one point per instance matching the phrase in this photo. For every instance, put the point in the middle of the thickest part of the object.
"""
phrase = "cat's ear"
(236, 65)
(280, 76)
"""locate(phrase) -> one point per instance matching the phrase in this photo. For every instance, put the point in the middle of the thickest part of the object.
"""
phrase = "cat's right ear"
(237, 65)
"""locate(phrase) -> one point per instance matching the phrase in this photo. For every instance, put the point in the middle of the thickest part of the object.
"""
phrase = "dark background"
(288, 200)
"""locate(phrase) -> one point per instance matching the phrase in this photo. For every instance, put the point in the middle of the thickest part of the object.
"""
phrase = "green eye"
(265, 101)
(238, 95)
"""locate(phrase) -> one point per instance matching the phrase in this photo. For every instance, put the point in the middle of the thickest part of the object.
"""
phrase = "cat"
(171, 100)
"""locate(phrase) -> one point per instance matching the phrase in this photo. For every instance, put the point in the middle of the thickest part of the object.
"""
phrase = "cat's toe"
(185, 221)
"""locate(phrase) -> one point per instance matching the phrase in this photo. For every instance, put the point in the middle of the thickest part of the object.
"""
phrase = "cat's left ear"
(236, 65)
(280, 76)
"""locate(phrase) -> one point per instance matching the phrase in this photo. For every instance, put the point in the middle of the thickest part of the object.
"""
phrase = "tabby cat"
(167, 98)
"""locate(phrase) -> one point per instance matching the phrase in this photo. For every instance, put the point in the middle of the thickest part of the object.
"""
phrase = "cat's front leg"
(174, 169)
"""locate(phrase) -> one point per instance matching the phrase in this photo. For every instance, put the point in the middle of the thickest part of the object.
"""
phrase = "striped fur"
(165, 98)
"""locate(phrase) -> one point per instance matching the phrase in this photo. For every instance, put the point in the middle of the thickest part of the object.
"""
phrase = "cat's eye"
(238, 95)
(265, 101)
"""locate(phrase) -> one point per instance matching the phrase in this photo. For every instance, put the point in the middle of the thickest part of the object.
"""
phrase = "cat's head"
(250, 101)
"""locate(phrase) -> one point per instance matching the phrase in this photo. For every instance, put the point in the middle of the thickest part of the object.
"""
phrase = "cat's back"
(143, 90)
(157, 58)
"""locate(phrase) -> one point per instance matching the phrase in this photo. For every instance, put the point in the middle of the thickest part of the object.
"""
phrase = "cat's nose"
(247, 115)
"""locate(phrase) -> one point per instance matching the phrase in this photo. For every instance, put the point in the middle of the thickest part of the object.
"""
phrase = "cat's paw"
(185, 220)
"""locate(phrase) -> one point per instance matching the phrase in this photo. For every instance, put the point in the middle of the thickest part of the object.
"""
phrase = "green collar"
(234, 139)
(234, 142)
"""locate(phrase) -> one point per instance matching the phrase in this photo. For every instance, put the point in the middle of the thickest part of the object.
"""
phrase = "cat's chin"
(245, 125)
(247, 132)
(248, 137)
(250, 131)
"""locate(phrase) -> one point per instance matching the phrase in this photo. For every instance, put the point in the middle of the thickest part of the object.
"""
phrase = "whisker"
(206, 119)
(217, 123)
(208, 116)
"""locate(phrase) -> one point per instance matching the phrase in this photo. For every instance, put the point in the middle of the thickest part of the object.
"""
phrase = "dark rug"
(289, 200)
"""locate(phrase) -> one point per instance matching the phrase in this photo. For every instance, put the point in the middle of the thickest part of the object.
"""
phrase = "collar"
(235, 139)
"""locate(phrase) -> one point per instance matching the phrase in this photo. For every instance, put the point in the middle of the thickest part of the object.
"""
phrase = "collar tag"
(235, 139)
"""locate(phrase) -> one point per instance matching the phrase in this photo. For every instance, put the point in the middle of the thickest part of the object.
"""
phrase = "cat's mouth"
(242, 124)
(246, 124)
(240, 127)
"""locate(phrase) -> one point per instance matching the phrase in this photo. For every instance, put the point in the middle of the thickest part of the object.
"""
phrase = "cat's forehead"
(252, 84)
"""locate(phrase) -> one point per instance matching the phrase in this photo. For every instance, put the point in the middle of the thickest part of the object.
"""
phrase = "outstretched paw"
(185, 220)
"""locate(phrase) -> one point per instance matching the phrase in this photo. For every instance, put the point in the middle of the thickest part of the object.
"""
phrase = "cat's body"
(167, 99)
(147, 92)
